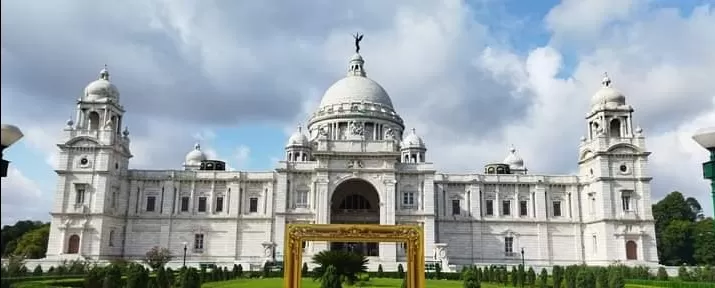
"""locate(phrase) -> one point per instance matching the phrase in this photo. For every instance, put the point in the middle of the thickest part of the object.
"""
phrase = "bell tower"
(613, 165)
(88, 211)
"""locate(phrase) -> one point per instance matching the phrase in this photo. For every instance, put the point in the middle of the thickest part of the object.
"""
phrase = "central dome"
(356, 88)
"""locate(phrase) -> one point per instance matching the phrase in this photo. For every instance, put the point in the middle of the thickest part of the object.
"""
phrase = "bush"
(304, 271)
(602, 277)
(662, 274)
(437, 271)
(162, 278)
(94, 278)
(400, 271)
(683, 274)
(585, 279)
(112, 277)
(331, 278)
(137, 276)
(544, 278)
(37, 271)
(471, 279)
(157, 257)
(616, 279)
(557, 275)
(514, 276)
(379, 271)
(531, 277)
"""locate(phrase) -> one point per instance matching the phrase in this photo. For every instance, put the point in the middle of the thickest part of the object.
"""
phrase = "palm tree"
(347, 264)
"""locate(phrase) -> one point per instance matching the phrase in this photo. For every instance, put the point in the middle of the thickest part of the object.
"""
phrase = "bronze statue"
(358, 38)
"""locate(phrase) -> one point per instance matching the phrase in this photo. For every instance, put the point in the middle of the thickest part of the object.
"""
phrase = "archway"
(93, 120)
(73, 245)
(615, 128)
(355, 201)
(631, 250)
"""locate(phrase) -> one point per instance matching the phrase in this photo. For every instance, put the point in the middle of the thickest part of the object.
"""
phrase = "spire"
(356, 66)
(104, 74)
(606, 81)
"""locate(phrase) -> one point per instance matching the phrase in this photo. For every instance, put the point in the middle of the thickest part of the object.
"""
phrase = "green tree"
(157, 257)
(704, 242)
(673, 249)
(240, 271)
(347, 264)
(662, 274)
(544, 278)
(162, 278)
(112, 277)
(94, 278)
(514, 276)
(137, 276)
(570, 276)
(33, 244)
(331, 278)
(471, 279)
(9, 235)
(684, 274)
(437, 271)
(400, 271)
(304, 271)
(37, 271)
(585, 279)
(616, 279)
(558, 275)
(14, 266)
(531, 277)
(678, 242)
(379, 271)
(602, 277)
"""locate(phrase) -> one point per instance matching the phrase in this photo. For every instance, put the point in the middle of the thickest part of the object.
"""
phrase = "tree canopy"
(683, 234)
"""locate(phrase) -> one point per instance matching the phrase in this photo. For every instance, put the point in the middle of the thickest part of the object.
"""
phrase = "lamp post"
(9, 135)
(186, 247)
(706, 138)
(523, 268)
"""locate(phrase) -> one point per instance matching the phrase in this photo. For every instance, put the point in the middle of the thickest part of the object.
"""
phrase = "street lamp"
(9, 135)
(706, 138)
(186, 247)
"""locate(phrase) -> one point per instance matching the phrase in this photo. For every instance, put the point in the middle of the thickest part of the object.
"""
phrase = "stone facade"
(355, 164)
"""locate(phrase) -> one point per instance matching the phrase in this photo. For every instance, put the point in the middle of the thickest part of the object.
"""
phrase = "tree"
(10, 234)
(14, 266)
(137, 276)
(616, 279)
(558, 275)
(379, 271)
(544, 278)
(347, 264)
(437, 271)
(94, 277)
(695, 208)
(157, 257)
(662, 274)
(674, 207)
(677, 243)
(331, 278)
(305, 270)
(585, 279)
(514, 276)
(37, 271)
(531, 277)
(33, 244)
(471, 279)
(112, 277)
(162, 278)
(704, 243)
(400, 271)
(602, 277)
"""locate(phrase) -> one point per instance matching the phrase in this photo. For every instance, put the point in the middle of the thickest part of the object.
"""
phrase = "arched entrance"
(73, 245)
(355, 201)
(631, 250)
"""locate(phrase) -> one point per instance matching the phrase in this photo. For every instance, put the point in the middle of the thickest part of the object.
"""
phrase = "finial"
(197, 146)
(512, 149)
(639, 130)
(126, 131)
(104, 74)
(606, 81)
(414, 131)
(300, 128)
(358, 38)
(69, 122)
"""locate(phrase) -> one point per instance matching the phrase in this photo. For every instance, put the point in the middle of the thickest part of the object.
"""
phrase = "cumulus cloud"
(182, 67)
(22, 198)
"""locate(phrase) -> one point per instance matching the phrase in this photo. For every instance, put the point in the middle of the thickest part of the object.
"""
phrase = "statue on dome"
(358, 38)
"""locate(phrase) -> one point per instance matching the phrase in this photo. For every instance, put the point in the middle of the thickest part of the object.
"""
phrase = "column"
(322, 209)
(388, 251)
(191, 198)
(497, 201)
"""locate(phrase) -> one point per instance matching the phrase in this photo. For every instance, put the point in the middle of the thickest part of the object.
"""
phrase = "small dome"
(298, 139)
(195, 157)
(411, 140)
(608, 95)
(101, 88)
(356, 88)
(514, 160)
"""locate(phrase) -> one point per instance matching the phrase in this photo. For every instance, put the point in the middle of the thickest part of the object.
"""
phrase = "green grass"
(375, 282)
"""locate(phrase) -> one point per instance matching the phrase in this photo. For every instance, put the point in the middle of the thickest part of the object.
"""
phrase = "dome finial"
(358, 38)
(197, 146)
(104, 74)
(300, 128)
(606, 81)
(512, 149)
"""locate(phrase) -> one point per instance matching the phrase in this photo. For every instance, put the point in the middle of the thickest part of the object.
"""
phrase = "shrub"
(558, 275)
(157, 257)
(531, 277)
(616, 279)
(112, 277)
(602, 277)
(162, 278)
(37, 271)
(94, 277)
(400, 271)
(305, 270)
(471, 279)
(437, 271)
(514, 276)
(379, 271)
(683, 273)
(544, 278)
(331, 278)
(137, 276)
(585, 279)
(49, 271)
(662, 274)
(570, 276)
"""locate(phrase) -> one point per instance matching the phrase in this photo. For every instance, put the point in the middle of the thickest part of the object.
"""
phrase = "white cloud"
(23, 199)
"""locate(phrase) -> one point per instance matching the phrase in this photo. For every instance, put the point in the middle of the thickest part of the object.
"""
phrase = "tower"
(299, 147)
(412, 148)
(90, 204)
(616, 193)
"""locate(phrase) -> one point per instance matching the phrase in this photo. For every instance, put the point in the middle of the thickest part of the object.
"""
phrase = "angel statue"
(358, 38)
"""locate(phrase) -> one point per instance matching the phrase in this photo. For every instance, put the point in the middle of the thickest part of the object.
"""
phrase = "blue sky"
(239, 78)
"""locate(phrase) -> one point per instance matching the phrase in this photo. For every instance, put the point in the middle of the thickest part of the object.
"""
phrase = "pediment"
(623, 149)
(82, 141)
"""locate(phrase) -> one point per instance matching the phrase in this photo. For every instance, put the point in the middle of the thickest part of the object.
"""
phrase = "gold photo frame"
(411, 235)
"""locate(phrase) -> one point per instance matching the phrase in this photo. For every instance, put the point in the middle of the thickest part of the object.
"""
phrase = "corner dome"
(356, 88)
(608, 95)
(298, 139)
(195, 157)
(514, 160)
(101, 88)
(411, 140)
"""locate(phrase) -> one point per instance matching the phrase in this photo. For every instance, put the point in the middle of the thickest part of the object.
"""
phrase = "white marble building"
(356, 163)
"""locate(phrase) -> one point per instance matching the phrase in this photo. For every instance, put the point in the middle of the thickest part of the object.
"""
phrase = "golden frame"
(412, 235)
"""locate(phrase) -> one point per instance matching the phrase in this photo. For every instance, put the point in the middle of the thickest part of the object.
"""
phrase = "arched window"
(93, 120)
(615, 128)
(631, 250)
(355, 202)
(73, 245)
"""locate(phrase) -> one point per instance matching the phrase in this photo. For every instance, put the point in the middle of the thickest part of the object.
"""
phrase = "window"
(557, 208)
(593, 205)
(73, 244)
(114, 199)
(595, 244)
(508, 246)
(150, 203)
(219, 204)
(202, 204)
(490, 207)
(301, 200)
(253, 205)
(111, 238)
(456, 209)
(184, 204)
(79, 194)
(523, 211)
(626, 199)
(506, 207)
(198, 243)
(408, 199)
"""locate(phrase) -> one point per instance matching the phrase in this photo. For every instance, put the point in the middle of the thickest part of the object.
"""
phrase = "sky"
(472, 77)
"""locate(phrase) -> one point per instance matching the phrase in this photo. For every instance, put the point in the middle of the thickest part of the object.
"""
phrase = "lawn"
(375, 282)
